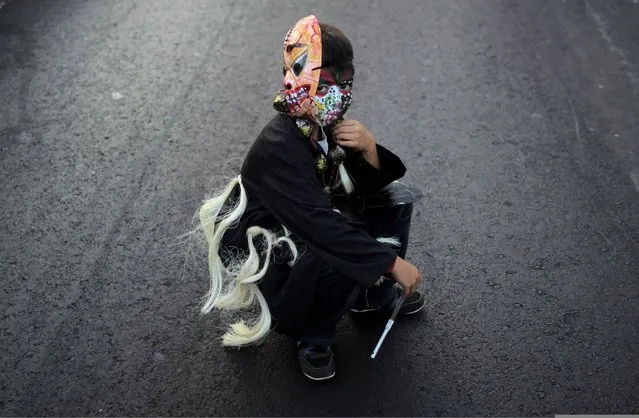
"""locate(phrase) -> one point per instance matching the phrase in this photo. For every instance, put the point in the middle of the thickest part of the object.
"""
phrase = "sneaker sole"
(412, 312)
(417, 309)
(319, 379)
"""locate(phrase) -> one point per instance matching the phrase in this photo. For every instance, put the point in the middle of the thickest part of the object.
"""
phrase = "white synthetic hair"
(345, 178)
(235, 286)
(392, 241)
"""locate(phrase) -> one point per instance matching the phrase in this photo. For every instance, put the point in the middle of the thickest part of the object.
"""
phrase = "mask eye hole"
(299, 64)
(346, 85)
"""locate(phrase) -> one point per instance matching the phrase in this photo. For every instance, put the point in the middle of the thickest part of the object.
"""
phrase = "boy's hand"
(406, 275)
(352, 134)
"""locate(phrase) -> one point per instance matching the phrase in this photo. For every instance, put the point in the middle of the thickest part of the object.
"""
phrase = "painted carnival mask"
(334, 95)
(311, 93)
(302, 62)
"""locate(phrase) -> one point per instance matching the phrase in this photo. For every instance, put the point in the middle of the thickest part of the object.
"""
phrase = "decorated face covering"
(302, 55)
(334, 95)
(311, 93)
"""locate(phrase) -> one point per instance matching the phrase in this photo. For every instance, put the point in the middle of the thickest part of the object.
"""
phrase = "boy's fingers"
(346, 125)
(346, 140)
(346, 143)
(342, 135)
(345, 134)
(340, 128)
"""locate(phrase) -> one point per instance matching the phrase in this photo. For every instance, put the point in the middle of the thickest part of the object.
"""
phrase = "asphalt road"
(518, 119)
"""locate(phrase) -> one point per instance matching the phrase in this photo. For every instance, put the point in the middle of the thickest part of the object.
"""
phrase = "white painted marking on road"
(116, 95)
(580, 140)
(635, 179)
(197, 54)
(603, 31)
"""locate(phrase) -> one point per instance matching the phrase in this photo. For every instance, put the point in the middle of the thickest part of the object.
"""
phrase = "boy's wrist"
(392, 266)
(371, 150)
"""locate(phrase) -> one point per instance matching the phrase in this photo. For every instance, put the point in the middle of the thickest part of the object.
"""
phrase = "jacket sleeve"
(286, 184)
(369, 179)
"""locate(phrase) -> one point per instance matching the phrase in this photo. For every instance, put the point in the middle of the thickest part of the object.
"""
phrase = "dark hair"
(337, 51)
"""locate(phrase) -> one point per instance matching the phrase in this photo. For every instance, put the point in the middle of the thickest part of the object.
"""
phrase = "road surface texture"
(518, 119)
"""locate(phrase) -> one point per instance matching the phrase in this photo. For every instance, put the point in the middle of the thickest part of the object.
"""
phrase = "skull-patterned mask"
(302, 61)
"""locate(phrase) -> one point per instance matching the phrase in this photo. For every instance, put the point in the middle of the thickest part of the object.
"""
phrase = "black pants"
(335, 294)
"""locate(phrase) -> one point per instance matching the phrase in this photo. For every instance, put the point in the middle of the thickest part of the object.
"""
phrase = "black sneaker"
(366, 303)
(317, 362)
(413, 304)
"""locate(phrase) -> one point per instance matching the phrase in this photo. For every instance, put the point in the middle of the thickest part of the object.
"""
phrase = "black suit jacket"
(283, 189)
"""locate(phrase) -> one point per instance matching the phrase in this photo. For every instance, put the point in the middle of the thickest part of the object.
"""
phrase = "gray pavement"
(518, 119)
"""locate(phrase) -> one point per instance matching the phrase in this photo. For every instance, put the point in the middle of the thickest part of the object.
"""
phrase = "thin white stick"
(389, 325)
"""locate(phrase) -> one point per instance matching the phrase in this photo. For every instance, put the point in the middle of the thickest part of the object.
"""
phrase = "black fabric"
(310, 306)
(334, 297)
(337, 254)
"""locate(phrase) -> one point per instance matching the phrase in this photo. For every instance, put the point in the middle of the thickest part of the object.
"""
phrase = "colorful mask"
(334, 96)
(302, 61)
(303, 75)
